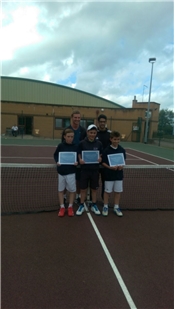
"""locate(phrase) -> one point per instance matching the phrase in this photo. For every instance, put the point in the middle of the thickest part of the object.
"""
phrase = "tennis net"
(29, 188)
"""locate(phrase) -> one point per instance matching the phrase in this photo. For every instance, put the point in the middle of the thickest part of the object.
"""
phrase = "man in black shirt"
(103, 135)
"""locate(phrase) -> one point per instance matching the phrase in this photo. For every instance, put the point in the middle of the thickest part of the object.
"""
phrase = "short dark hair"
(102, 116)
(68, 130)
(115, 134)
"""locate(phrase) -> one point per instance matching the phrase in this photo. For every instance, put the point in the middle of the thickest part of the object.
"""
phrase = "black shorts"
(102, 175)
(78, 172)
(89, 176)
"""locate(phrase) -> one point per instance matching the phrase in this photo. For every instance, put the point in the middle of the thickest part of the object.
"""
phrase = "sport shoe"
(61, 212)
(118, 212)
(95, 209)
(70, 212)
(80, 210)
(105, 211)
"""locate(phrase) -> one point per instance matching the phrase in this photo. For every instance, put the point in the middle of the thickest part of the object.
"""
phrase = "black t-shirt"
(65, 169)
(109, 174)
(88, 145)
(104, 137)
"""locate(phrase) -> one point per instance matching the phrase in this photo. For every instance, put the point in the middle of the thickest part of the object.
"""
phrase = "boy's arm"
(100, 158)
(100, 152)
(76, 151)
(80, 159)
(79, 153)
(56, 153)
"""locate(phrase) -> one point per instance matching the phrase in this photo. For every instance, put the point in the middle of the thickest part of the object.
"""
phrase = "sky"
(102, 48)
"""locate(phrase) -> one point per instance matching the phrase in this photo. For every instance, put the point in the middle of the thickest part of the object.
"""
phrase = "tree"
(166, 122)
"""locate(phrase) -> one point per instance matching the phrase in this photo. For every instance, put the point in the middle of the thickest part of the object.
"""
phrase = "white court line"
(32, 158)
(111, 262)
(149, 161)
(150, 154)
(142, 159)
(14, 145)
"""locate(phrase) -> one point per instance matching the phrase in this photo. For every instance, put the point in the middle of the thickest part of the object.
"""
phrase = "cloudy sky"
(99, 47)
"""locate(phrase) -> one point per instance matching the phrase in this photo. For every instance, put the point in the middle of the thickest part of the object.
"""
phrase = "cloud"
(102, 48)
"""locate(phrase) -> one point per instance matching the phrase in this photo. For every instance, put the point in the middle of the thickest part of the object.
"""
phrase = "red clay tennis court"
(87, 262)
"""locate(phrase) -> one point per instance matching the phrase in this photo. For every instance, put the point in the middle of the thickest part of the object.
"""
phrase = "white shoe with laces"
(105, 211)
(80, 210)
(118, 212)
(95, 209)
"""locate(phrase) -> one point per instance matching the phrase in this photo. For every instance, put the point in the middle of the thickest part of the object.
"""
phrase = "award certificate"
(116, 159)
(90, 156)
(67, 157)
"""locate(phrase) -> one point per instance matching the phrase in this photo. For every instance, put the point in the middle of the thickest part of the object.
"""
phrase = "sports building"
(43, 109)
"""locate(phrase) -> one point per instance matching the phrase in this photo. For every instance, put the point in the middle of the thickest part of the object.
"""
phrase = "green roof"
(21, 90)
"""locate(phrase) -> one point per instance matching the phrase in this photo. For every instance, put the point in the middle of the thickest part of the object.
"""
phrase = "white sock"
(70, 205)
(116, 206)
(62, 205)
(106, 205)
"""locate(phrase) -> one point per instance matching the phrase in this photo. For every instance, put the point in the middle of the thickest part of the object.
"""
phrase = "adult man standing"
(79, 131)
(79, 135)
(103, 135)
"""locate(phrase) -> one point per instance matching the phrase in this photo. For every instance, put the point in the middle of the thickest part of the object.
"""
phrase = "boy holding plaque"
(79, 135)
(65, 156)
(89, 154)
(113, 159)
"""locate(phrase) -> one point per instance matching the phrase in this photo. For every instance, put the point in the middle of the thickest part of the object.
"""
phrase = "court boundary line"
(142, 159)
(149, 154)
(32, 158)
(54, 146)
(111, 262)
(14, 145)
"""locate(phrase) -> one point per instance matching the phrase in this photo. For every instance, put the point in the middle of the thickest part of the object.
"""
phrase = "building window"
(86, 122)
(62, 123)
(65, 122)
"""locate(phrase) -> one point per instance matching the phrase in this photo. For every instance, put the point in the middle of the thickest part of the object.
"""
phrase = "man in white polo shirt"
(15, 130)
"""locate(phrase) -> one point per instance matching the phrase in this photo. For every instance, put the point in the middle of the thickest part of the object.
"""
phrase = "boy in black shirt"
(89, 171)
(113, 174)
(66, 173)
(79, 135)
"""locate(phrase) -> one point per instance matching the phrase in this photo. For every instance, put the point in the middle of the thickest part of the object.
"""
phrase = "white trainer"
(95, 209)
(80, 210)
(118, 212)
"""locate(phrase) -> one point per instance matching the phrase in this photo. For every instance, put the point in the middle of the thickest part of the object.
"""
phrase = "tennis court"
(87, 262)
